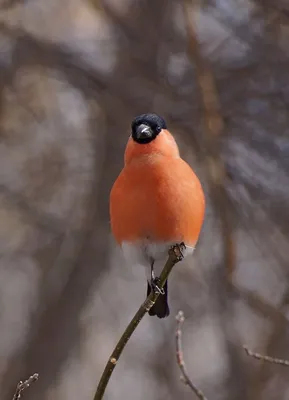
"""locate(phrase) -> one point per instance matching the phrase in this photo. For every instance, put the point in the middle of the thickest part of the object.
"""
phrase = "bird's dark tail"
(161, 307)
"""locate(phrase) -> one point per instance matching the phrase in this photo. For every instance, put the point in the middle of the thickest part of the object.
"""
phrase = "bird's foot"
(177, 250)
(155, 286)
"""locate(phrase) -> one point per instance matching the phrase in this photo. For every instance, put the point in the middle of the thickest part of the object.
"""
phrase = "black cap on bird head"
(146, 127)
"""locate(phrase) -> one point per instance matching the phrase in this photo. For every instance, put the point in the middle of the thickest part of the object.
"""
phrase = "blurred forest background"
(73, 75)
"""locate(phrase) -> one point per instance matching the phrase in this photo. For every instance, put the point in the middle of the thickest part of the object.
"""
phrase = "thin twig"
(21, 386)
(269, 359)
(175, 255)
(180, 358)
(263, 373)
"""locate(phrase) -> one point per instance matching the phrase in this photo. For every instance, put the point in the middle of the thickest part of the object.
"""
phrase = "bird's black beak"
(144, 133)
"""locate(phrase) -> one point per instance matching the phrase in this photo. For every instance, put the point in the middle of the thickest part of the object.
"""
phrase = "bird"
(156, 201)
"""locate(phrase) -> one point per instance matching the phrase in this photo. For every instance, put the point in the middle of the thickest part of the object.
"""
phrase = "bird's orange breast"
(158, 198)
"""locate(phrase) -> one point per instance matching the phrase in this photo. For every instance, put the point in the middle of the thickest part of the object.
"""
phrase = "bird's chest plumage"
(156, 201)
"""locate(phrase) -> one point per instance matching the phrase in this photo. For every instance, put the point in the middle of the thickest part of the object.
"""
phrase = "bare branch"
(24, 385)
(180, 358)
(268, 359)
(213, 130)
(175, 255)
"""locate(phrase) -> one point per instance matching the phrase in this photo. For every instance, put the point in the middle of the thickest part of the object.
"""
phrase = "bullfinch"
(157, 201)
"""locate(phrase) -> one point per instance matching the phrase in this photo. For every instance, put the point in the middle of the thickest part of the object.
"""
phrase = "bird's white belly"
(143, 252)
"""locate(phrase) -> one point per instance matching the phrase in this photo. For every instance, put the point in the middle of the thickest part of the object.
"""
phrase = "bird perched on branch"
(156, 202)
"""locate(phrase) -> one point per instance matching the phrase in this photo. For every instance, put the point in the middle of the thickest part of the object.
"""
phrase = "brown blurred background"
(73, 75)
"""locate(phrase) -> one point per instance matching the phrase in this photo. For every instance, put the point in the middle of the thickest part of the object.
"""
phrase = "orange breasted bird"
(157, 201)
